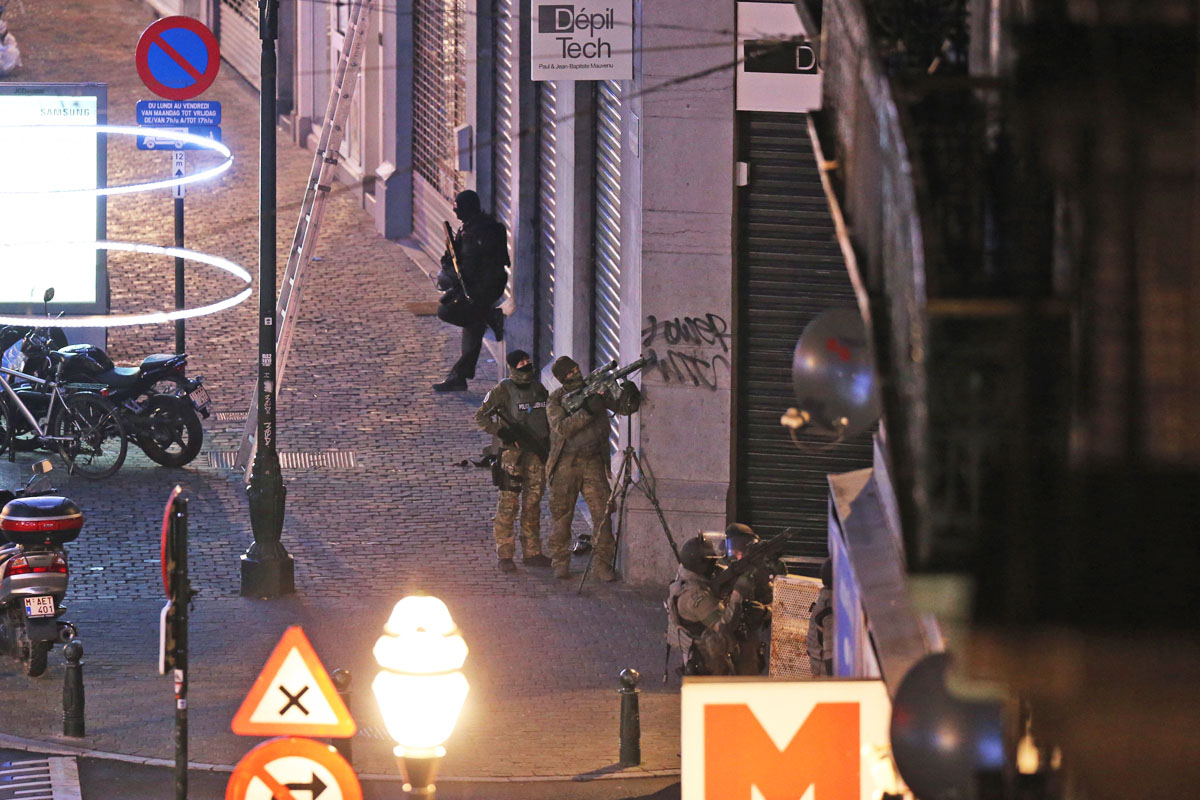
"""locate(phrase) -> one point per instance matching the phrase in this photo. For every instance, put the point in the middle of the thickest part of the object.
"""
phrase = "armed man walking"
(473, 276)
(514, 412)
(579, 463)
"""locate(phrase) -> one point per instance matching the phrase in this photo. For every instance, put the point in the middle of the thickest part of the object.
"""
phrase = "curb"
(60, 749)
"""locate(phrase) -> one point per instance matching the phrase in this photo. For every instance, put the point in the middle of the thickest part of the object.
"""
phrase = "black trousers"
(473, 319)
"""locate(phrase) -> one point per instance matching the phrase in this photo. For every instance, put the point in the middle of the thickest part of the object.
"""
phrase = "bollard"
(341, 681)
(73, 690)
(631, 720)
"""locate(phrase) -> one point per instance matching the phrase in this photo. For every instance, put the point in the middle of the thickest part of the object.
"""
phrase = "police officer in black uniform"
(481, 247)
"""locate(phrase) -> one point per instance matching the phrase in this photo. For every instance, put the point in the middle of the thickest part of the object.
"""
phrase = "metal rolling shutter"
(791, 269)
(606, 302)
(546, 188)
(240, 45)
(503, 128)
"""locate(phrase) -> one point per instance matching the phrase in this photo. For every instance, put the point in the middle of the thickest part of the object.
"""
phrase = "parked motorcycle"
(33, 570)
(160, 406)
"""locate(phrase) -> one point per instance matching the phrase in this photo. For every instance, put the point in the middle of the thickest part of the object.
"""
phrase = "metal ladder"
(308, 227)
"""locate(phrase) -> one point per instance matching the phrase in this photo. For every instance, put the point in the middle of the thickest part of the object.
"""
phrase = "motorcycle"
(33, 570)
(160, 406)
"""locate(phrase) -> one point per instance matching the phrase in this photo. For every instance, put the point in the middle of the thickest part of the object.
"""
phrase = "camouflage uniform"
(579, 463)
(696, 617)
(525, 472)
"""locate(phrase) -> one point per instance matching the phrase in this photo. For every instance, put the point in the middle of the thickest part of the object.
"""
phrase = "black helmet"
(695, 555)
(738, 538)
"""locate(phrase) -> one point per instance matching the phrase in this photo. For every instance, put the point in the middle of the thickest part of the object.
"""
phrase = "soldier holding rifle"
(473, 276)
(514, 412)
(580, 457)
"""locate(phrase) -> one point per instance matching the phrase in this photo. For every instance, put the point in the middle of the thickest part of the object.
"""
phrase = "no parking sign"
(178, 58)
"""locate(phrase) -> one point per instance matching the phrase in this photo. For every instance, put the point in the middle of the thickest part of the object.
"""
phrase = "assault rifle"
(756, 554)
(454, 260)
(602, 382)
(525, 440)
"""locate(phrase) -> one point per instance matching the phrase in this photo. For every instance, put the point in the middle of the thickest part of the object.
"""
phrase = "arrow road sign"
(293, 695)
(177, 171)
(293, 769)
(177, 58)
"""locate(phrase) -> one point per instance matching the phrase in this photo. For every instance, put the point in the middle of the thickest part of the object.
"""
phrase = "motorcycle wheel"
(7, 429)
(35, 658)
(175, 433)
(97, 439)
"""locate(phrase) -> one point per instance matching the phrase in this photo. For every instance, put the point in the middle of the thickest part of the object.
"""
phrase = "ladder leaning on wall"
(308, 227)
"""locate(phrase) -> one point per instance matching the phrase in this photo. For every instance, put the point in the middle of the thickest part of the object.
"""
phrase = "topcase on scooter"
(41, 520)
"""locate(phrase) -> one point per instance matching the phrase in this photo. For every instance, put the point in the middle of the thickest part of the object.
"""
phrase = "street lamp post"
(267, 567)
(420, 686)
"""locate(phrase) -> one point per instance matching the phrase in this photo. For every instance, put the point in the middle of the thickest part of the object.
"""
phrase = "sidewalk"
(543, 660)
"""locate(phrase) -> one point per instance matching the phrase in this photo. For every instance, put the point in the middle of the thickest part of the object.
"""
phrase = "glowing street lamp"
(420, 688)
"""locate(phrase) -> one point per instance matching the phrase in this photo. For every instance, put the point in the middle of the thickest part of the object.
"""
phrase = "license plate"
(199, 397)
(42, 606)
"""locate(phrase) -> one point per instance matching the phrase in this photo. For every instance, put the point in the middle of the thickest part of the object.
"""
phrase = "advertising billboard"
(49, 239)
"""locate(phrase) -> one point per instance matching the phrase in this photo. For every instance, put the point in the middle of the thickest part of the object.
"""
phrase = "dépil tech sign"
(581, 42)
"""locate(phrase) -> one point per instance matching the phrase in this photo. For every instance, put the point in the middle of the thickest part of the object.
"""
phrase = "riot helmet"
(738, 538)
(696, 556)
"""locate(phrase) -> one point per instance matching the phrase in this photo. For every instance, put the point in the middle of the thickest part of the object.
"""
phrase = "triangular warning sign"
(293, 695)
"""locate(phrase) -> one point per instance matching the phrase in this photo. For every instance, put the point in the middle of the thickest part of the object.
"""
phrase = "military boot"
(536, 561)
(506, 565)
(562, 570)
(603, 571)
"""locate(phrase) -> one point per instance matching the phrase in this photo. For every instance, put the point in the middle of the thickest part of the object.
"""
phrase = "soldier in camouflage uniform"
(514, 412)
(756, 605)
(579, 464)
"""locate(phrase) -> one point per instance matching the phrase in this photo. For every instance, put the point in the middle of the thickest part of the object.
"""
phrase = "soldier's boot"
(603, 571)
(562, 570)
(536, 561)
(506, 565)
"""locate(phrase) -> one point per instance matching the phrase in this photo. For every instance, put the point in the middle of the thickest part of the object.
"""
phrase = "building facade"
(647, 216)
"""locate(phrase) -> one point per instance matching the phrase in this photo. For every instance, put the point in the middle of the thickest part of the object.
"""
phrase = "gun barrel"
(630, 368)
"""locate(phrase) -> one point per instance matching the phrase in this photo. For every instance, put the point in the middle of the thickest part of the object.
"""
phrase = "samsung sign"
(581, 42)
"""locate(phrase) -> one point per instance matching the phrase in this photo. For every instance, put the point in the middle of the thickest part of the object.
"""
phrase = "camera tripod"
(623, 481)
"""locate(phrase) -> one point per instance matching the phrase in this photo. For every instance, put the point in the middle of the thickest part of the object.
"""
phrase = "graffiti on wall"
(687, 350)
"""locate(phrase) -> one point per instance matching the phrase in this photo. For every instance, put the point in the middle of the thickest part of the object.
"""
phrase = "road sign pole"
(176, 172)
(267, 567)
(181, 591)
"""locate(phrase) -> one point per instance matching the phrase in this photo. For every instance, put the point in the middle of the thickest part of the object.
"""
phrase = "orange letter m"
(823, 754)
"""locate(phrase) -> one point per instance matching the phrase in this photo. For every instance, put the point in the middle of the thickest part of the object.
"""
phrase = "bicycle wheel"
(96, 441)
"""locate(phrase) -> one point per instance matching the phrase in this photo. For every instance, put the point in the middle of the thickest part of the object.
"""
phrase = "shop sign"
(581, 41)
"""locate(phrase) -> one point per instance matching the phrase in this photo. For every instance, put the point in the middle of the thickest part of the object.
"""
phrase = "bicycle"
(81, 426)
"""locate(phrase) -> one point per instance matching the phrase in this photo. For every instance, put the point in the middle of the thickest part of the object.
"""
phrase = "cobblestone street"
(544, 660)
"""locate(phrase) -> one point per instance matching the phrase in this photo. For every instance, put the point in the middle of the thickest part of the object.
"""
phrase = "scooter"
(34, 571)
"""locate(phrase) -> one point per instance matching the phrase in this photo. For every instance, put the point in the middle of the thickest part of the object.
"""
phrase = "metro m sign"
(756, 739)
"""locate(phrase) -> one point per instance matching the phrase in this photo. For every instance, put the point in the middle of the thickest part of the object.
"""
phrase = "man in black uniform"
(481, 247)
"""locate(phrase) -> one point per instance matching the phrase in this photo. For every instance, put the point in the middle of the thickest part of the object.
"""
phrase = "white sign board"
(581, 42)
(746, 738)
(777, 67)
(49, 240)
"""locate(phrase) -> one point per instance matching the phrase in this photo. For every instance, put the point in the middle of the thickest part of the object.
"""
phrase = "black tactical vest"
(527, 405)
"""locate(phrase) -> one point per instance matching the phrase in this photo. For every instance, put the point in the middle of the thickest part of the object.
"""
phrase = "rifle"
(602, 381)
(755, 555)
(525, 440)
(454, 260)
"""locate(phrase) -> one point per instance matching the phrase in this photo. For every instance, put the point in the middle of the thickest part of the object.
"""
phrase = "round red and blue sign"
(177, 58)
